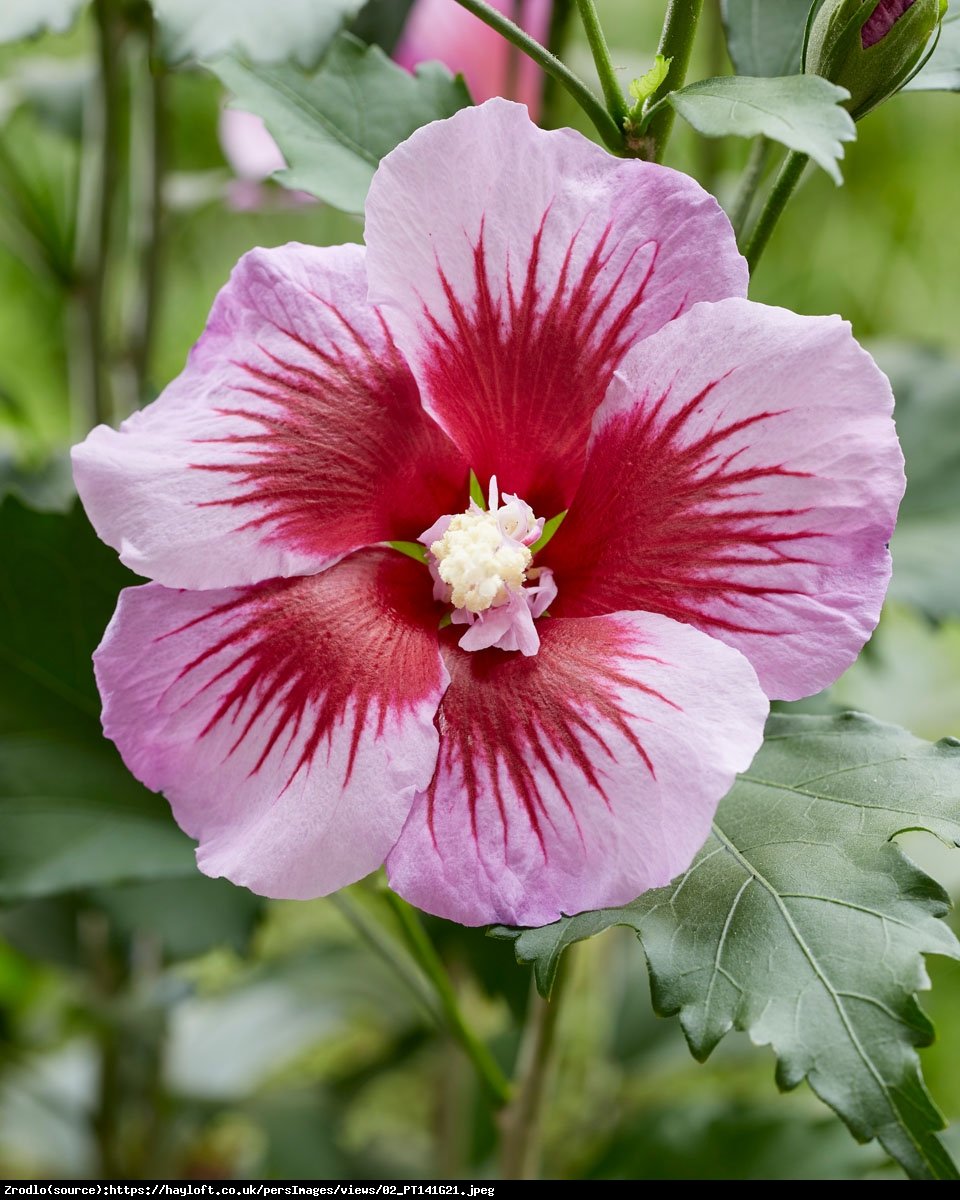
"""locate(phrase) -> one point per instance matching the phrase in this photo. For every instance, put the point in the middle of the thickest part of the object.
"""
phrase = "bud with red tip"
(870, 47)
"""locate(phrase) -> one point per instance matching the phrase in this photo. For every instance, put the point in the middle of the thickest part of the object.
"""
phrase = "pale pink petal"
(744, 475)
(509, 626)
(517, 266)
(441, 29)
(580, 777)
(288, 724)
(293, 436)
(542, 591)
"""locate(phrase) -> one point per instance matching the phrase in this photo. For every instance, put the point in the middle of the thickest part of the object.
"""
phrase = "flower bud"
(870, 47)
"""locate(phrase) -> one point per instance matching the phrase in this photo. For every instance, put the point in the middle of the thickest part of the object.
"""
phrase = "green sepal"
(476, 492)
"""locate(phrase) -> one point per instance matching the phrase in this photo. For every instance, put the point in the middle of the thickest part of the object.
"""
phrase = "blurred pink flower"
(250, 150)
(441, 29)
(252, 153)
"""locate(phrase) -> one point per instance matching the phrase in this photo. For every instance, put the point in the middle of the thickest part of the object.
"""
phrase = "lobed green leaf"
(331, 141)
(284, 30)
(25, 18)
(802, 112)
(802, 924)
(765, 37)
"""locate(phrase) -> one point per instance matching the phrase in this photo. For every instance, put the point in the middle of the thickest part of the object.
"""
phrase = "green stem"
(105, 208)
(430, 963)
(749, 182)
(787, 180)
(676, 43)
(454, 1102)
(522, 1120)
(105, 201)
(149, 230)
(384, 946)
(612, 92)
(591, 104)
(83, 373)
(560, 20)
(93, 937)
(710, 151)
(511, 77)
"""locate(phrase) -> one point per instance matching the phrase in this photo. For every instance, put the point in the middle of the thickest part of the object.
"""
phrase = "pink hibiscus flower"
(572, 328)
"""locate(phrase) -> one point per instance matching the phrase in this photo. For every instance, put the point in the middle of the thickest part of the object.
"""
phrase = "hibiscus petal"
(516, 266)
(743, 475)
(293, 436)
(578, 778)
(289, 724)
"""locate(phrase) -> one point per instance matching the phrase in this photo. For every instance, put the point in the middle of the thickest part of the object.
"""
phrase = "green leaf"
(57, 91)
(926, 565)
(47, 488)
(942, 72)
(185, 917)
(24, 18)
(724, 1137)
(71, 813)
(38, 196)
(182, 918)
(925, 561)
(765, 37)
(298, 30)
(331, 142)
(800, 923)
(382, 21)
(801, 111)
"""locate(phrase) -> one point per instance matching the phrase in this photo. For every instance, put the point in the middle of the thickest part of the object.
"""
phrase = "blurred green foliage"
(182, 1027)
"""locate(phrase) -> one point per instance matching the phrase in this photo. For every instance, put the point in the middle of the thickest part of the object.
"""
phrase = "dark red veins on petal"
(669, 523)
(507, 719)
(338, 452)
(516, 383)
(304, 655)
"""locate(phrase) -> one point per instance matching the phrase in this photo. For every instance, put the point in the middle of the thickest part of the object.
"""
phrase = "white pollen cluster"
(478, 564)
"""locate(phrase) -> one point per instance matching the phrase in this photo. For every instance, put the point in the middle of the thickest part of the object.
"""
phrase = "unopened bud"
(870, 47)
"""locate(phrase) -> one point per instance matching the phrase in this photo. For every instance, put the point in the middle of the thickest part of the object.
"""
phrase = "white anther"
(480, 564)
